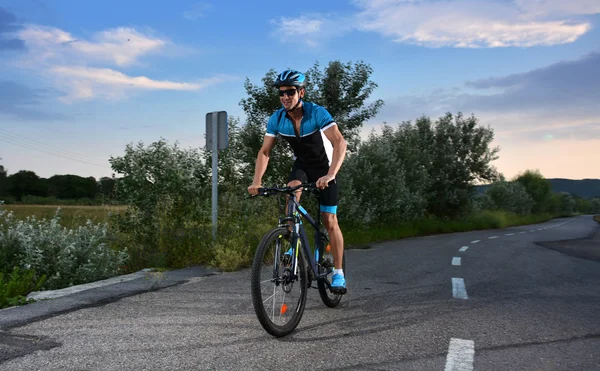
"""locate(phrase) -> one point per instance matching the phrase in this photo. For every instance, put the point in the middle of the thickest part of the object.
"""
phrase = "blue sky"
(81, 79)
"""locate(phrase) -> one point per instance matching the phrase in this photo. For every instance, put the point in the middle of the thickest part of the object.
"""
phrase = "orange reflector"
(283, 308)
(328, 248)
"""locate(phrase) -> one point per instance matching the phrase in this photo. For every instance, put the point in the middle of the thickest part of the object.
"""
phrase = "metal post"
(215, 165)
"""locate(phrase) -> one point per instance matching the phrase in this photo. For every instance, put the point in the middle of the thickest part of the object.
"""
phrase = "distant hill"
(584, 188)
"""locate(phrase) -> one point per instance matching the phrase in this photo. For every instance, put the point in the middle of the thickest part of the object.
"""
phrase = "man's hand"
(323, 181)
(253, 189)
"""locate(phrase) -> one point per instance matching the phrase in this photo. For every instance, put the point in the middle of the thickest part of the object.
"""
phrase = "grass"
(597, 218)
(72, 215)
(227, 254)
(359, 236)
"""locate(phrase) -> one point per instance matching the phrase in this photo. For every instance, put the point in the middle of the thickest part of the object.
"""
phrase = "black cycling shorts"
(329, 196)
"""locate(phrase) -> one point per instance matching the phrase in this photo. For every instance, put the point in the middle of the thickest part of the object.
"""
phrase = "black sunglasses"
(289, 92)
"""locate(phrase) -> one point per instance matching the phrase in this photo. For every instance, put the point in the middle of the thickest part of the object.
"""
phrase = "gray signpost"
(216, 132)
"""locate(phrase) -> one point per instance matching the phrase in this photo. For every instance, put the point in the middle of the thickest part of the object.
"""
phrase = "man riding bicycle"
(307, 127)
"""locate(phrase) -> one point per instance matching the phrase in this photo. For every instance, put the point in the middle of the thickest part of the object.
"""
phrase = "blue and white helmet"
(290, 78)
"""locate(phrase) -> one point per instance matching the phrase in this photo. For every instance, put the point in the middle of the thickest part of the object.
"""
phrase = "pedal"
(338, 291)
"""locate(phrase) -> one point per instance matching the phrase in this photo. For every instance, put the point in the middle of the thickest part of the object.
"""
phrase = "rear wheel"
(326, 258)
(278, 295)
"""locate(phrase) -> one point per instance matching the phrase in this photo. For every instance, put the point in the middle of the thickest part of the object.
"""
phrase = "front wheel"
(278, 295)
(329, 298)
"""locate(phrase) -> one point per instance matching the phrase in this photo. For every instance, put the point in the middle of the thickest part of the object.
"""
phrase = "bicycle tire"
(257, 295)
(329, 298)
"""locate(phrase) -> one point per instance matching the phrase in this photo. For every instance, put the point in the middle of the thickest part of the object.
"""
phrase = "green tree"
(72, 187)
(508, 196)
(567, 203)
(457, 156)
(159, 174)
(594, 205)
(343, 89)
(374, 188)
(417, 169)
(106, 188)
(3, 182)
(538, 187)
(26, 183)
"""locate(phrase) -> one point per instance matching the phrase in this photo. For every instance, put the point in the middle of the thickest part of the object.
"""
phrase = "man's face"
(289, 96)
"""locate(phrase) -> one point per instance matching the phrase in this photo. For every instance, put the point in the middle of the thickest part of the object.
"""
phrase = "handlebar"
(310, 187)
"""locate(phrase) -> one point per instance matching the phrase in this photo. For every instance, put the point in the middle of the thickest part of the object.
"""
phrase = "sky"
(79, 80)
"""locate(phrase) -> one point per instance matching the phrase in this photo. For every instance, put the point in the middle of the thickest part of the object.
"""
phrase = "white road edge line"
(460, 355)
(459, 291)
(475, 241)
(464, 248)
(456, 261)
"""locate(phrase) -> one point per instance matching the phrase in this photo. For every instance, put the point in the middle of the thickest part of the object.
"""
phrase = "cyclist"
(308, 128)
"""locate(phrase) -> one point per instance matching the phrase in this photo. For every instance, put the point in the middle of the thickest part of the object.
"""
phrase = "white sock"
(339, 271)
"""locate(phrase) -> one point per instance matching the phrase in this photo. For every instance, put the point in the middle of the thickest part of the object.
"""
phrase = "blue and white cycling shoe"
(338, 284)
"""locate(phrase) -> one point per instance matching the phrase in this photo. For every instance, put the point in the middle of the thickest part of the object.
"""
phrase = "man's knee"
(330, 221)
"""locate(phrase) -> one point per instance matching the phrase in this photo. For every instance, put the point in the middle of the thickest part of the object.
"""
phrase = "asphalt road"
(513, 301)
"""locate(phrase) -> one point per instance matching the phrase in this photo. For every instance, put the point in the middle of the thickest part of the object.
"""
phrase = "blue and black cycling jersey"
(307, 144)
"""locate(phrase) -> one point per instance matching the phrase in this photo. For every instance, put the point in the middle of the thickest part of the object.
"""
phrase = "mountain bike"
(284, 263)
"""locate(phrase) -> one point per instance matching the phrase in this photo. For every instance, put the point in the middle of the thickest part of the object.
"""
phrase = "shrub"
(65, 256)
(14, 289)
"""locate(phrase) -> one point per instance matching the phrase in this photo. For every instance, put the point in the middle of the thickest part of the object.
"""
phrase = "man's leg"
(329, 200)
(297, 177)
(336, 239)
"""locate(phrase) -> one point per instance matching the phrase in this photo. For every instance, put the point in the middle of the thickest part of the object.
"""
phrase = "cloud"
(197, 11)
(86, 83)
(18, 101)
(8, 27)
(451, 23)
(87, 68)
(311, 30)
(557, 8)
(556, 101)
(119, 46)
(565, 84)
(475, 24)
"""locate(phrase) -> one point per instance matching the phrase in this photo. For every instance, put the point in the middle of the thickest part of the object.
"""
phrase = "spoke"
(270, 297)
(274, 293)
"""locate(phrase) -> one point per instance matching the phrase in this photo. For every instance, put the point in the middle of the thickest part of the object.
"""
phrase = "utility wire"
(41, 145)
(49, 152)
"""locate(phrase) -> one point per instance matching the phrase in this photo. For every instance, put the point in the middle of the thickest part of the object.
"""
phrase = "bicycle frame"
(299, 234)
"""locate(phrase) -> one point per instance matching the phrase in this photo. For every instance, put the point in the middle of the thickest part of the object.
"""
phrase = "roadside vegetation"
(409, 179)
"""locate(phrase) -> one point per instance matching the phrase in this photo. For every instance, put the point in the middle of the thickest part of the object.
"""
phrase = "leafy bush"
(507, 196)
(14, 289)
(65, 256)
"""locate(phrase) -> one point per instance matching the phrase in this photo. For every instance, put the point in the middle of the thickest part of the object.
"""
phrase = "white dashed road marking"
(522, 232)
(509, 234)
(464, 248)
(459, 291)
(456, 261)
(492, 237)
(460, 355)
(475, 241)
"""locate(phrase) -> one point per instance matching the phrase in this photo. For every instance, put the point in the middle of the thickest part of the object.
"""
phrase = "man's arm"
(339, 149)
(262, 160)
